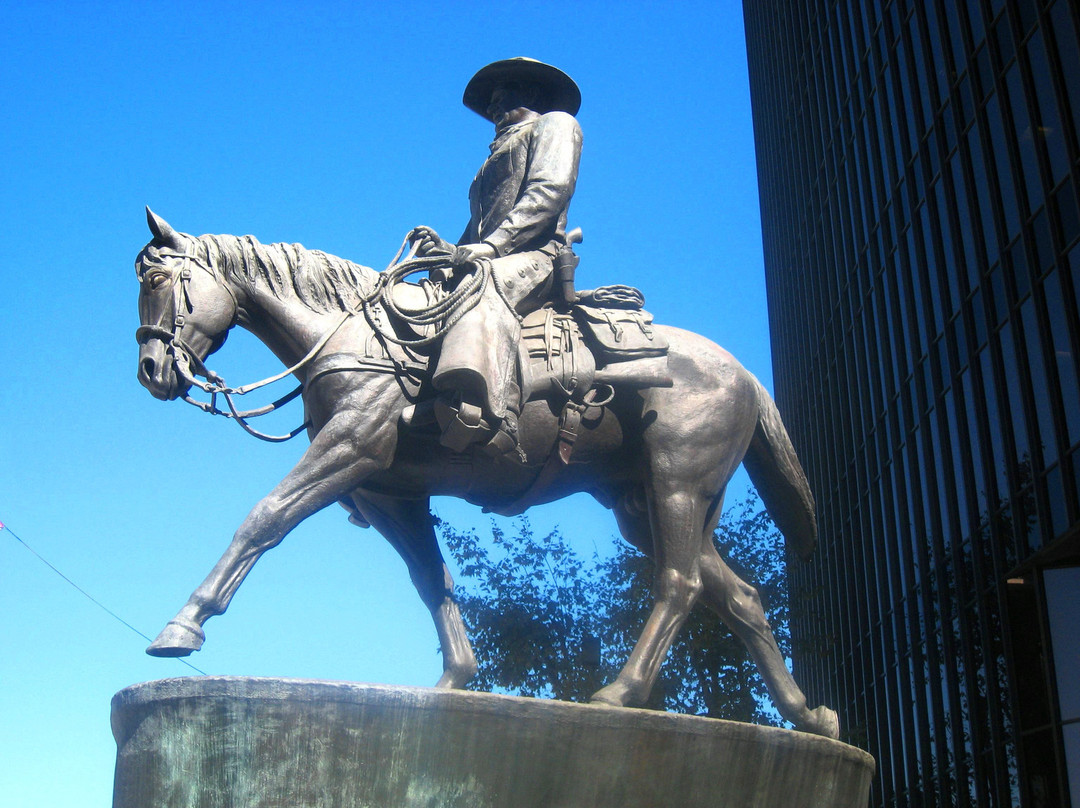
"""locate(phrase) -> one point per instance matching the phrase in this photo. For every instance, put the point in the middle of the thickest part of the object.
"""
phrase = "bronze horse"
(660, 457)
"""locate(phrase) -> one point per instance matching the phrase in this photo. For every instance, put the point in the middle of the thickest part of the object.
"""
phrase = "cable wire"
(86, 594)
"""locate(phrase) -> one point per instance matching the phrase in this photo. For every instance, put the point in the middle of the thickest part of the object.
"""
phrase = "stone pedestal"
(233, 742)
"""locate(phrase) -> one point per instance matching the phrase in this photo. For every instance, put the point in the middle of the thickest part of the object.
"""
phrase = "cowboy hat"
(558, 90)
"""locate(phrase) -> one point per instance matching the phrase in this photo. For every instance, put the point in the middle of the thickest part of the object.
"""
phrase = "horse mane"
(322, 282)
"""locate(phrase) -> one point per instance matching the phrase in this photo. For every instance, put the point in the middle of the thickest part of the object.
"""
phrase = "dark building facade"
(919, 168)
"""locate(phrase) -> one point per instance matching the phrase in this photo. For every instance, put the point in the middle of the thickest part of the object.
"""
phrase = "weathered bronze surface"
(361, 344)
(293, 743)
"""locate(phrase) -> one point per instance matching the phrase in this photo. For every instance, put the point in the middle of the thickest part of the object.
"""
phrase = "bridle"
(441, 315)
(181, 302)
(189, 366)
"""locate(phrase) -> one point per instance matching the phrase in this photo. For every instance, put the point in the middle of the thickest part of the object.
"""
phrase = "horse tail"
(779, 478)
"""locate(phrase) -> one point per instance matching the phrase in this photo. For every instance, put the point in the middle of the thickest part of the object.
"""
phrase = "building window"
(1062, 586)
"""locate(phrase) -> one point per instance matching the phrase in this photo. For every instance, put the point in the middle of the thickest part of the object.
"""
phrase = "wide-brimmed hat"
(558, 90)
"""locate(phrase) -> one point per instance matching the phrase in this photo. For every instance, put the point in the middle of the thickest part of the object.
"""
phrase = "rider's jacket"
(521, 193)
(518, 201)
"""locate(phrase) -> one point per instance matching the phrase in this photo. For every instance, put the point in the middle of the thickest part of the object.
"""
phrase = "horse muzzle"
(160, 371)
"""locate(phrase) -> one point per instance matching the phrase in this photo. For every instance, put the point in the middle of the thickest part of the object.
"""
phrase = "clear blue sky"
(337, 125)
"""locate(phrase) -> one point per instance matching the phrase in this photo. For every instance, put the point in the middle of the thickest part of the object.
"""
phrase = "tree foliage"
(546, 622)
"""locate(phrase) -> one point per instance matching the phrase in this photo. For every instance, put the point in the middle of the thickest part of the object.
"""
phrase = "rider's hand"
(468, 253)
(428, 241)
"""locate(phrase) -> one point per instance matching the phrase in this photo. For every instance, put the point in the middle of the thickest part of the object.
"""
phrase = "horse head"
(185, 310)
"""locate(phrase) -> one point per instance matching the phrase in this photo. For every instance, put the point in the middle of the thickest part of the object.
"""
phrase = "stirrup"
(504, 443)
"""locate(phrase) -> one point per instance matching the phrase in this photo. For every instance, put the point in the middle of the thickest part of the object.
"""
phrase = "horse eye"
(156, 279)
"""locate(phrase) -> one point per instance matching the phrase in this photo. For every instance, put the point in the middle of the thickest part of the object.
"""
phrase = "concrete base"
(224, 742)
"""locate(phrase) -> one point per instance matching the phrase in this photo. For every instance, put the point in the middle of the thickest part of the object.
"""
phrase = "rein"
(215, 385)
(447, 310)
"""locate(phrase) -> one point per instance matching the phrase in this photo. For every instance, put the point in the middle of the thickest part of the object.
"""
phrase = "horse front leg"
(345, 451)
(408, 525)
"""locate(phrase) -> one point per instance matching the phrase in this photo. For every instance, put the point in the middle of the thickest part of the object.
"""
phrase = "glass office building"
(919, 169)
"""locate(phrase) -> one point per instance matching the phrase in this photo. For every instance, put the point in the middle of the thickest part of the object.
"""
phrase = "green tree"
(546, 622)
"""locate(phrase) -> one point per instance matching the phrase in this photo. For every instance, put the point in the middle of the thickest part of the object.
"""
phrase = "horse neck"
(271, 282)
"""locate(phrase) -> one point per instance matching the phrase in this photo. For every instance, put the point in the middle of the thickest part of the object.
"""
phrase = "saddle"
(580, 357)
(568, 353)
(575, 355)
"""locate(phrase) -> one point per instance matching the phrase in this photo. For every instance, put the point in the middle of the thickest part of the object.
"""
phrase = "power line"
(86, 594)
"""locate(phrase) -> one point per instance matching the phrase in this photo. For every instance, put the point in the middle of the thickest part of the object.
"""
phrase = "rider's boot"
(464, 424)
(418, 415)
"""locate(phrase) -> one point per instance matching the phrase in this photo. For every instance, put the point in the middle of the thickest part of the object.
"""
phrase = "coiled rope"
(441, 315)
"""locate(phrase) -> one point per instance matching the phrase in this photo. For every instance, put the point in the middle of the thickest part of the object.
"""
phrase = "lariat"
(440, 315)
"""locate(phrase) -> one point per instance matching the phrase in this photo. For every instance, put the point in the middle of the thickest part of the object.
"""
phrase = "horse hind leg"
(677, 517)
(739, 606)
(408, 526)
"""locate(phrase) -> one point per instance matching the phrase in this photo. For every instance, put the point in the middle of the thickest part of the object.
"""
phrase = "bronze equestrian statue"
(654, 434)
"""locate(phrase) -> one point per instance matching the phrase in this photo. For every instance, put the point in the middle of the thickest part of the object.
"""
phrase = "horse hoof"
(613, 695)
(455, 679)
(177, 639)
(824, 722)
(450, 681)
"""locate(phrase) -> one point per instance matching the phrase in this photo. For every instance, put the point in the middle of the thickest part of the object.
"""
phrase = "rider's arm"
(554, 154)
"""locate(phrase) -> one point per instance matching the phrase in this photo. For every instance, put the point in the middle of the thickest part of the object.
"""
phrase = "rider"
(519, 201)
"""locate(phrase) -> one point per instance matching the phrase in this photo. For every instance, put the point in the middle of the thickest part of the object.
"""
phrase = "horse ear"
(161, 229)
